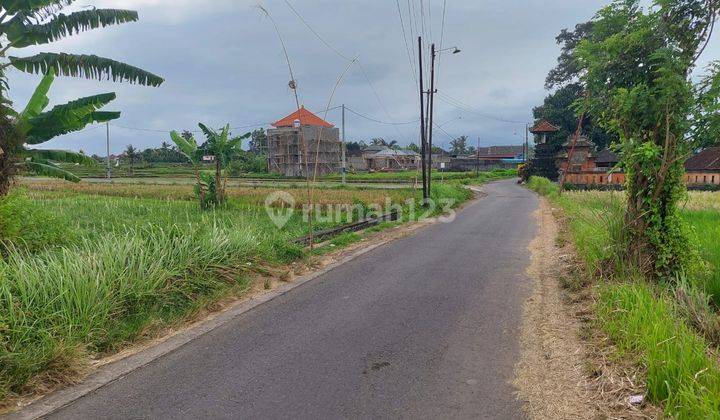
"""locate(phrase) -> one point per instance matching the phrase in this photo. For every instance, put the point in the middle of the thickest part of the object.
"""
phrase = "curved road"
(424, 327)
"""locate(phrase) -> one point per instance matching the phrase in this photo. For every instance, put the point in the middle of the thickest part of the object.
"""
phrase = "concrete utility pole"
(477, 159)
(344, 162)
(423, 147)
(107, 138)
(431, 99)
(527, 142)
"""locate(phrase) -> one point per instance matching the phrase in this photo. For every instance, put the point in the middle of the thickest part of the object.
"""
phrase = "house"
(488, 158)
(301, 134)
(391, 159)
(703, 168)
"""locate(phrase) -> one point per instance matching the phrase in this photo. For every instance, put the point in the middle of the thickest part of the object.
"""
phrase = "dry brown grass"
(247, 195)
(566, 369)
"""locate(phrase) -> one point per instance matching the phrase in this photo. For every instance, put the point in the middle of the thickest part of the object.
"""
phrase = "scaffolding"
(286, 153)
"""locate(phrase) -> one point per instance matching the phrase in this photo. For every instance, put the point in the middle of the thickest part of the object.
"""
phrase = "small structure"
(544, 161)
(488, 158)
(393, 160)
(297, 135)
(703, 168)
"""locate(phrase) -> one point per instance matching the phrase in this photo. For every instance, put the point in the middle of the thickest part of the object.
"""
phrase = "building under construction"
(287, 147)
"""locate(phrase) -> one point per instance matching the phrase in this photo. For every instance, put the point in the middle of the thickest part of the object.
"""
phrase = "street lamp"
(434, 53)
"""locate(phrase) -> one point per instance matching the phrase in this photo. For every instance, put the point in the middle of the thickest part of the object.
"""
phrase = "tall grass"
(645, 328)
(653, 324)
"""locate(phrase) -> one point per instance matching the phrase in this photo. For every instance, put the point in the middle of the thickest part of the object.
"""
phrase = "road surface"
(424, 327)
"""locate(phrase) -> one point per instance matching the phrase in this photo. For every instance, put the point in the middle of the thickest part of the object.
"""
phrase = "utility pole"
(423, 148)
(431, 99)
(527, 143)
(477, 159)
(344, 162)
(107, 138)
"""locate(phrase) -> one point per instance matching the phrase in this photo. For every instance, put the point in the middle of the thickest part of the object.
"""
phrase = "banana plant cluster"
(219, 144)
(26, 23)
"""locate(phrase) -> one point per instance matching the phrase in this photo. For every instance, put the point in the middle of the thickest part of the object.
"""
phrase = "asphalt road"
(424, 327)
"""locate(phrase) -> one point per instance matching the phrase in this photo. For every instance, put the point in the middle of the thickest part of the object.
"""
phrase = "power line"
(469, 109)
(407, 47)
(379, 121)
(442, 37)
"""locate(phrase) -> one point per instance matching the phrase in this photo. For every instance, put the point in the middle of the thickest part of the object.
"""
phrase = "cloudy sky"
(223, 63)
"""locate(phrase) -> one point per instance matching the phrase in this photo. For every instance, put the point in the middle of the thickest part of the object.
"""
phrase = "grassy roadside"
(648, 323)
(84, 274)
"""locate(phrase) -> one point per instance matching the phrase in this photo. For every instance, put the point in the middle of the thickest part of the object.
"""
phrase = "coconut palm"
(26, 23)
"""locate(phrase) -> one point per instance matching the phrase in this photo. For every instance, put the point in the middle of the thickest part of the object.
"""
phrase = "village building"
(488, 158)
(302, 134)
(382, 158)
(703, 168)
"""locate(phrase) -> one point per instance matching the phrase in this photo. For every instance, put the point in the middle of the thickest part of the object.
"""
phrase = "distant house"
(391, 159)
(492, 157)
(590, 168)
(704, 167)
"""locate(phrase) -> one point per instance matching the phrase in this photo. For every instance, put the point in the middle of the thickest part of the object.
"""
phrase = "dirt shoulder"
(565, 371)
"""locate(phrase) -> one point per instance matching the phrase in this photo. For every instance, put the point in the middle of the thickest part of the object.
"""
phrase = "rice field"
(87, 269)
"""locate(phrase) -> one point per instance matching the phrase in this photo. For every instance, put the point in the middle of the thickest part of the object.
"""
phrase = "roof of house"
(707, 160)
(544, 127)
(607, 156)
(305, 117)
(501, 151)
(582, 141)
(374, 148)
(393, 152)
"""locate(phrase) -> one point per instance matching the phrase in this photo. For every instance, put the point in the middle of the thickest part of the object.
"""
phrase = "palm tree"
(25, 23)
(132, 155)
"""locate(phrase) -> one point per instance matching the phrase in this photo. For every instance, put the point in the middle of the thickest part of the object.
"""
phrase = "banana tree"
(28, 23)
(221, 146)
(37, 127)
(224, 148)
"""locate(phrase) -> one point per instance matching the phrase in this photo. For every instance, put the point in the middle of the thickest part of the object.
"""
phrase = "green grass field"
(649, 323)
(86, 269)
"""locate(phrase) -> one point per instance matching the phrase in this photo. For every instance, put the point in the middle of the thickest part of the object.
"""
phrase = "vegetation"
(30, 23)
(155, 261)
(636, 68)
(671, 328)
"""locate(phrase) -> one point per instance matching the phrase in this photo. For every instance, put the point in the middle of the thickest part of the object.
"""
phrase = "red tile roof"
(306, 118)
(707, 160)
(544, 127)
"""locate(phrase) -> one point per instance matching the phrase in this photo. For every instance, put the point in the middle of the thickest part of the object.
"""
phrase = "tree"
(258, 141)
(187, 145)
(37, 127)
(223, 147)
(351, 146)
(30, 23)
(459, 145)
(636, 66)
(132, 155)
(413, 147)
